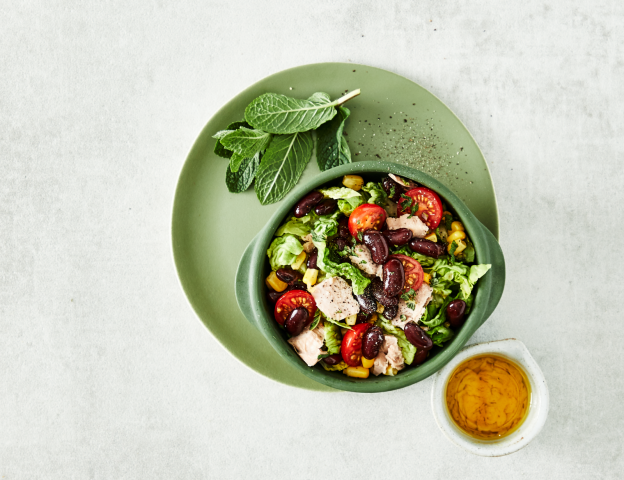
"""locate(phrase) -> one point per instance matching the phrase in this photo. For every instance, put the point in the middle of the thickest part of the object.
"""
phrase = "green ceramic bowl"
(254, 267)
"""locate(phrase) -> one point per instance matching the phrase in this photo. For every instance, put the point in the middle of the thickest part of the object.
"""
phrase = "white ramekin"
(538, 411)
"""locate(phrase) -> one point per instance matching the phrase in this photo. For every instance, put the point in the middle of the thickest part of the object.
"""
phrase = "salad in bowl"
(369, 277)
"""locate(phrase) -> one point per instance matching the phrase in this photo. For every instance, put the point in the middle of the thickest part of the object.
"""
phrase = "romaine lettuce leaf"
(376, 192)
(440, 334)
(407, 349)
(295, 226)
(333, 338)
(347, 205)
(346, 270)
(283, 251)
(339, 192)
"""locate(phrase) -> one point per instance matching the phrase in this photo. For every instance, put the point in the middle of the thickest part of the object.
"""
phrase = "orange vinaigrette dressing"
(488, 396)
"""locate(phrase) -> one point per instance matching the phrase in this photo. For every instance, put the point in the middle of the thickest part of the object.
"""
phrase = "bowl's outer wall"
(252, 270)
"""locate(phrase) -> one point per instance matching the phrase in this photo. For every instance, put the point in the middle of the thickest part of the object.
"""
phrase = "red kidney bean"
(426, 247)
(296, 321)
(274, 296)
(377, 290)
(391, 312)
(420, 357)
(392, 188)
(304, 205)
(340, 243)
(367, 303)
(334, 359)
(378, 246)
(371, 342)
(312, 258)
(398, 237)
(393, 277)
(343, 227)
(417, 336)
(297, 285)
(288, 275)
(455, 312)
(326, 207)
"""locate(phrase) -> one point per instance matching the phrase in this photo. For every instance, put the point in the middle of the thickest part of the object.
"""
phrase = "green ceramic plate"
(393, 119)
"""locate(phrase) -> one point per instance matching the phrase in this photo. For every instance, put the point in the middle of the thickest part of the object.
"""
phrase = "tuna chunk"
(415, 224)
(364, 261)
(420, 301)
(334, 297)
(389, 355)
(308, 344)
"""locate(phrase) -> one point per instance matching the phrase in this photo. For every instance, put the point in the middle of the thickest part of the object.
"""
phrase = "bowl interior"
(439, 356)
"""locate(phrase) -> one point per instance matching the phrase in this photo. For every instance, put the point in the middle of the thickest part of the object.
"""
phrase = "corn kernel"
(461, 246)
(380, 308)
(310, 276)
(427, 278)
(275, 283)
(456, 226)
(351, 319)
(354, 182)
(456, 235)
(373, 318)
(432, 238)
(366, 363)
(298, 261)
(391, 371)
(356, 372)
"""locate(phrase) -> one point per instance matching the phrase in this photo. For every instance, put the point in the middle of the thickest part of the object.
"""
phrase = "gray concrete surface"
(105, 371)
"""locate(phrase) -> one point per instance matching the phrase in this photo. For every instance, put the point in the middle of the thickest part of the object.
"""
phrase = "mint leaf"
(282, 166)
(220, 149)
(275, 113)
(331, 147)
(240, 181)
(320, 97)
(246, 142)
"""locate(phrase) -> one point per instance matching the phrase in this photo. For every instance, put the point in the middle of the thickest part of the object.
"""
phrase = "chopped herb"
(403, 318)
(317, 319)
(452, 250)
(392, 191)
(363, 262)
(360, 236)
(411, 305)
(323, 355)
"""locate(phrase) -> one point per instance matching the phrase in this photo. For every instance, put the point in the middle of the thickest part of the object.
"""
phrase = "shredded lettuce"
(448, 272)
(346, 270)
(339, 192)
(407, 349)
(376, 192)
(296, 226)
(347, 205)
(283, 251)
(440, 334)
(325, 226)
(333, 339)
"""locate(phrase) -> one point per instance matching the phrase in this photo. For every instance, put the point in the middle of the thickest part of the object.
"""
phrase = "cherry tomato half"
(291, 300)
(351, 348)
(366, 217)
(413, 272)
(429, 206)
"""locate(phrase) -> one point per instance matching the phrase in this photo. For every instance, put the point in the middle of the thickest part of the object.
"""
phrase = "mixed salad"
(367, 277)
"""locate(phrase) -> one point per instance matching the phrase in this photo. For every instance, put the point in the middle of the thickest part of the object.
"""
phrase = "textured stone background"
(105, 371)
